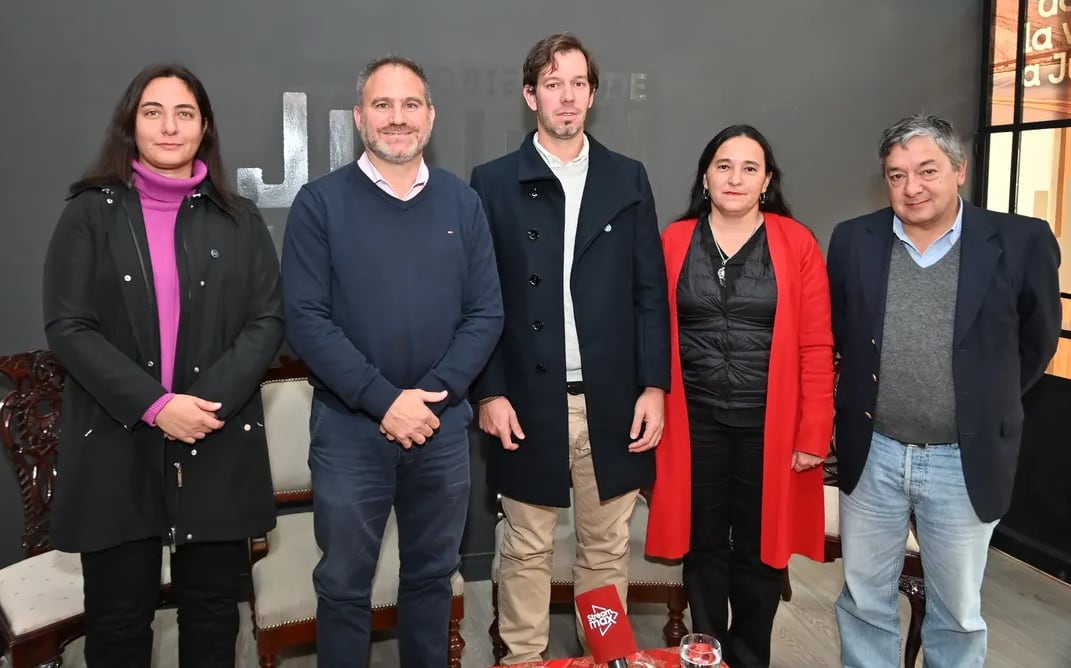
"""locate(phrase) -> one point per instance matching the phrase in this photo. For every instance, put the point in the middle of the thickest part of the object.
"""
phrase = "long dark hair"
(112, 165)
(699, 206)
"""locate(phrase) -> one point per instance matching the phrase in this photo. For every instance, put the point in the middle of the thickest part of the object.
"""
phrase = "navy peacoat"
(621, 309)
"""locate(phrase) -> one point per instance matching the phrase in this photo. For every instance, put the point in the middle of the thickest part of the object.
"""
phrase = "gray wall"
(820, 77)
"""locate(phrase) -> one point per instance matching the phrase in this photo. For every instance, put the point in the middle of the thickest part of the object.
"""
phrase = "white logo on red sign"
(602, 619)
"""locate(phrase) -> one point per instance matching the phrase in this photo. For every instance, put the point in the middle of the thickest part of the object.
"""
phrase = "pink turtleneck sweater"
(161, 197)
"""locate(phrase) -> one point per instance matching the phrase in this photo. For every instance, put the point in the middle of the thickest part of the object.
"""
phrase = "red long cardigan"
(799, 404)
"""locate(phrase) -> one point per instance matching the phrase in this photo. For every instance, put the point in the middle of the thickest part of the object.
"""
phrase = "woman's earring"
(706, 194)
(762, 197)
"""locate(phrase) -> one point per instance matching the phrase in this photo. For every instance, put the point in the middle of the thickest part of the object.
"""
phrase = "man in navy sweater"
(392, 298)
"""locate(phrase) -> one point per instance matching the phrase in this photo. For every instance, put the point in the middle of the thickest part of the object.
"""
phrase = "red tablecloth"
(663, 658)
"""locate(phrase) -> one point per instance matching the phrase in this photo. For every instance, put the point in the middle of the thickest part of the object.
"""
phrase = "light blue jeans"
(896, 481)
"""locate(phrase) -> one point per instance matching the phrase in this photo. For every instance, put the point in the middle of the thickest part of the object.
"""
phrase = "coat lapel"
(606, 193)
(530, 165)
(873, 262)
(978, 260)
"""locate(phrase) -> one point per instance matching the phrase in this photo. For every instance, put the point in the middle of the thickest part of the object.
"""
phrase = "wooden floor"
(1029, 616)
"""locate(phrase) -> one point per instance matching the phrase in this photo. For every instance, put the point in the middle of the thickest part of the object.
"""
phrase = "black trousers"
(122, 592)
(722, 568)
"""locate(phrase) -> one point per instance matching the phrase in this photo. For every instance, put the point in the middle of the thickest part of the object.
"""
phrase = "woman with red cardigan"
(749, 415)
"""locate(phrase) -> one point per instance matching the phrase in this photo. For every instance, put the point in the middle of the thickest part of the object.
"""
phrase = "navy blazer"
(1007, 325)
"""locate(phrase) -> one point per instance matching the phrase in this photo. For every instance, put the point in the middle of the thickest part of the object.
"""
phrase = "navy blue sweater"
(382, 295)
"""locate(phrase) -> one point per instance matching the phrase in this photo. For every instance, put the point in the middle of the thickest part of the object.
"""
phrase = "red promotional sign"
(606, 625)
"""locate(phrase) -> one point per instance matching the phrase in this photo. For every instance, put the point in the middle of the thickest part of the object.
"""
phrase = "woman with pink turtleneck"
(161, 299)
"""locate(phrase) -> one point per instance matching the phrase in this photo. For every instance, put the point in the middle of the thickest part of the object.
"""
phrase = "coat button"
(189, 536)
(214, 253)
(868, 415)
(873, 342)
(541, 368)
(533, 234)
(126, 278)
(202, 284)
(533, 193)
(535, 279)
(197, 369)
(537, 325)
(193, 453)
(149, 364)
(247, 427)
(874, 376)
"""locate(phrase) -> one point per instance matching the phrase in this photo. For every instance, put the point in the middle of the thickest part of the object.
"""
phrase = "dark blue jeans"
(357, 476)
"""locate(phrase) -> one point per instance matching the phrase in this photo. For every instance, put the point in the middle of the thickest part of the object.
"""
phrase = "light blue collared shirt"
(938, 249)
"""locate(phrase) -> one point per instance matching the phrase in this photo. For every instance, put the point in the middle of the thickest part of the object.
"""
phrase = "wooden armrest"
(258, 548)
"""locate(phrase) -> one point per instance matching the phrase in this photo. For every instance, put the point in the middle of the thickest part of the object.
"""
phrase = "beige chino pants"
(602, 549)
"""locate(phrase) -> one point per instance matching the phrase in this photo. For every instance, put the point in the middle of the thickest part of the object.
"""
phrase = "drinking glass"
(699, 650)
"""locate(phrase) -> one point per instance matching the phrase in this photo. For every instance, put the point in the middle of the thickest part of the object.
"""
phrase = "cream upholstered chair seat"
(832, 501)
(41, 596)
(283, 579)
(284, 601)
(47, 588)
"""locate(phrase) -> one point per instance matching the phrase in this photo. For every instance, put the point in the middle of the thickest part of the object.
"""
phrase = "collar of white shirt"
(553, 160)
(939, 248)
(374, 175)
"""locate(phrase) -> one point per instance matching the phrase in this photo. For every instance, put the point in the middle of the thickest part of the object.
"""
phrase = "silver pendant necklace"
(724, 260)
(721, 254)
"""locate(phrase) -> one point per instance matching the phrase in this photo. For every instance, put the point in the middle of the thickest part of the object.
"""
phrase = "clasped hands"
(409, 421)
(188, 418)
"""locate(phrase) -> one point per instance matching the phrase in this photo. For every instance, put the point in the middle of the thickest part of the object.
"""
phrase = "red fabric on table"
(663, 658)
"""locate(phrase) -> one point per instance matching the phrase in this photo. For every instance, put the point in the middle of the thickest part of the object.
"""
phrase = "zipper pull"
(172, 540)
(178, 474)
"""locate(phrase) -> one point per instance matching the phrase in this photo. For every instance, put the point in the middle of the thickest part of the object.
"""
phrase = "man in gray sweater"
(943, 315)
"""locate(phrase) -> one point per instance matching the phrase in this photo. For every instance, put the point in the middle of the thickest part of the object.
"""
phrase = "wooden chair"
(41, 600)
(650, 580)
(284, 602)
(911, 583)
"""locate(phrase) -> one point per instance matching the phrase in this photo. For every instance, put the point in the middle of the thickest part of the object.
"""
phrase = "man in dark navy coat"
(944, 314)
(574, 392)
